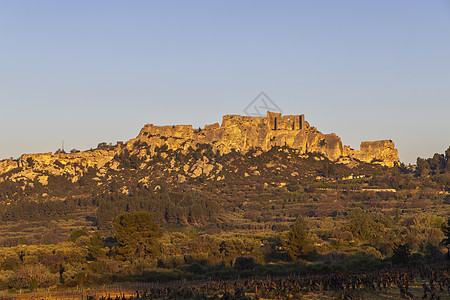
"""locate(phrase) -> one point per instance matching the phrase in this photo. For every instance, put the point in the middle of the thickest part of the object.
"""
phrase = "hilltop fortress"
(236, 133)
(242, 133)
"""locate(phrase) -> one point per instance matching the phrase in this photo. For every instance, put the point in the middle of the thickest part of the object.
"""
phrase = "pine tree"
(298, 242)
(137, 234)
(446, 241)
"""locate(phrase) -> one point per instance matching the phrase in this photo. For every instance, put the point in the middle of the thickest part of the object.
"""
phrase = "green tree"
(96, 247)
(447, 159)
(437, 163)
(74, 235)
(363, 227)
(137, 234)
(402, 253)
(33, 276)
(298, 242)
(445, 227)
(423, 167)
(102, 145)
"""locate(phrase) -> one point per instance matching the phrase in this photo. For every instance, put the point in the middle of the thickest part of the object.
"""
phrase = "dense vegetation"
(295, 215)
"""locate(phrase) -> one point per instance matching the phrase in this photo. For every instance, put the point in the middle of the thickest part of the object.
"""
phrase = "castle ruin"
(290, 122)
(273, 121)
(242, 133)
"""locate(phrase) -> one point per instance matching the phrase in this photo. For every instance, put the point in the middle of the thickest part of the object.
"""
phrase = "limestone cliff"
(379, 152)
(236, 133)
(242, 133)
(38, 166)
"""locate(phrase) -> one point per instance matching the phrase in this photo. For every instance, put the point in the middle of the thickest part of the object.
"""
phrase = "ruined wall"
(178, 131)
(289, 122)
(236, 120)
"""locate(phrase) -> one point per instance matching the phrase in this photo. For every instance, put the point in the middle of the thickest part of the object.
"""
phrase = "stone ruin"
(242, 133)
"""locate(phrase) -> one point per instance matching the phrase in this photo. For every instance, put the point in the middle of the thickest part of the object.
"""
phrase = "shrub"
(34, 276)
(196, 268)
(244, 263)
(402, 253)
(5, 279)
(74, 235)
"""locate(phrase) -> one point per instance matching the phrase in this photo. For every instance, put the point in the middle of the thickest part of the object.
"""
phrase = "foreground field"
(426, 282)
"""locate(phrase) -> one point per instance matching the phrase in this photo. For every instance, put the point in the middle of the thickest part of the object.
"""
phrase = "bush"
(71, 273)
(244, 263)
(170, 262)
(34, 276)
(142, 264)
(74, 235)
(402, 254)
(196, 268)
(5, 279)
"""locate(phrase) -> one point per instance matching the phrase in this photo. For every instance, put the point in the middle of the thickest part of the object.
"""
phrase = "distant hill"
(238, 134)
(183, 175)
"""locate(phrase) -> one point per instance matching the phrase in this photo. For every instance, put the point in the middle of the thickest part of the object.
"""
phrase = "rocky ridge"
(242, 133)
(236, 133)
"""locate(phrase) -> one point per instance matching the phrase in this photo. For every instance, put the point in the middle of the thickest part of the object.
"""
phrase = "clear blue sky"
(92, 71)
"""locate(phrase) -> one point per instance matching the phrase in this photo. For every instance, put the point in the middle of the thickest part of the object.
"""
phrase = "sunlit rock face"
(379, 152)
(242, 133)
(237, 133)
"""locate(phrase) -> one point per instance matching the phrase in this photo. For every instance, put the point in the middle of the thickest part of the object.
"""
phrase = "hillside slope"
(236, 134)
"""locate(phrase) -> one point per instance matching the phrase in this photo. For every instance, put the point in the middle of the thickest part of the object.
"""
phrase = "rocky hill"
(236, 134)
(241, 134)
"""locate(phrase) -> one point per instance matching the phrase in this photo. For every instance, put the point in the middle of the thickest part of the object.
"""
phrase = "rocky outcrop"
(237, 133)
(32, 166)
(378, 152)
(7, 165)
(242, 133)
(69, 162)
